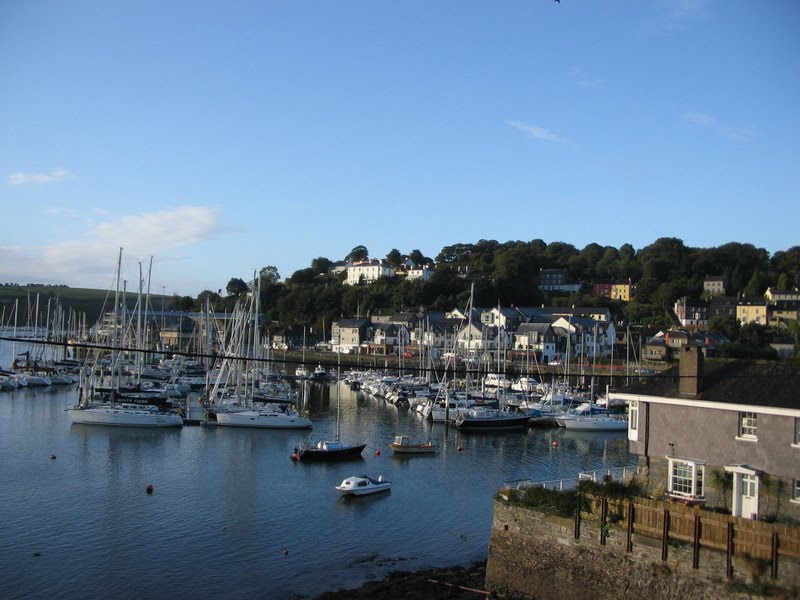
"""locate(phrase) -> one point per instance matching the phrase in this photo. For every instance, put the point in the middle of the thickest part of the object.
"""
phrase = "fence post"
(729, 553)
(696, 547)
(665, 536)
(774, 570)
(603, 520)
(629, 542)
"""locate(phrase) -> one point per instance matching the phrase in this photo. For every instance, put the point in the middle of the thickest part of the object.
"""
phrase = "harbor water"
(232, 516)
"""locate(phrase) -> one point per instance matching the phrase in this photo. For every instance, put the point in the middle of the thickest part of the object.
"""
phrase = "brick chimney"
(690, 371)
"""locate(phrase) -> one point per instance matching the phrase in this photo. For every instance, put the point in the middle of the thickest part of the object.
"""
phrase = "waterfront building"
(720, 433)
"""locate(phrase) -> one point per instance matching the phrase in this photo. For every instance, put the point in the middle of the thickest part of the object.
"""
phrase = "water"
(233, 516)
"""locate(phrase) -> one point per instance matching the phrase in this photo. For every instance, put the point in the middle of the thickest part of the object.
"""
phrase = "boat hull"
(264, 420)
(317, 454)
(122, 417)
(413, 448)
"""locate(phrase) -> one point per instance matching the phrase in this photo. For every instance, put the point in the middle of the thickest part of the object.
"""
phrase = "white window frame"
(796, 491)
(748, 426)
(796, 441)
(695, 490)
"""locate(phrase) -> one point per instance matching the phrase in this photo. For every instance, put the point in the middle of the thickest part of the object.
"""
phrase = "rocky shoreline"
(453, 583)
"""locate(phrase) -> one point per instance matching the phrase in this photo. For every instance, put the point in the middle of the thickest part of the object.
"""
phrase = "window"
(686, 478)
(748, 425)
(797, 430)
(796, 490)
(633, 421)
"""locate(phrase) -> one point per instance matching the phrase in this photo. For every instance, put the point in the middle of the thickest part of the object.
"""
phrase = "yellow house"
(752, 310)
(621, 291)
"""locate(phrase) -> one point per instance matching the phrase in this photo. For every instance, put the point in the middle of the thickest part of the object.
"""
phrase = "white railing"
(617, 474)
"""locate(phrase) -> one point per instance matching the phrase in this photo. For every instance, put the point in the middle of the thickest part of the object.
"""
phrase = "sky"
(212, 139)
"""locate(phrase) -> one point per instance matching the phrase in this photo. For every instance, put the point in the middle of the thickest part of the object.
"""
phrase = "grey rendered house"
(704, 418)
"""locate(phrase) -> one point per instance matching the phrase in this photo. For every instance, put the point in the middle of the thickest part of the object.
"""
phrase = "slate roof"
(754, 382)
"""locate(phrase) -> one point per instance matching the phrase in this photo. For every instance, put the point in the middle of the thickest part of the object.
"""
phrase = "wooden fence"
(675, 522)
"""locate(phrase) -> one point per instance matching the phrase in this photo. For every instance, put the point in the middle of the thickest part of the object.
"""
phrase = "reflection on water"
(233, 516)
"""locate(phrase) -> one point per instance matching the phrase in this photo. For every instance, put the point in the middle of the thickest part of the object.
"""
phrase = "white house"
(367, 271)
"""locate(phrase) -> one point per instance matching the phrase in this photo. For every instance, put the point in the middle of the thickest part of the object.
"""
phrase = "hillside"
(74, 301)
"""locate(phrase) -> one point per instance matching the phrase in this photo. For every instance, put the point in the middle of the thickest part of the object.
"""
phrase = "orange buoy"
(149, 488)
(377, 452)
(555, 444)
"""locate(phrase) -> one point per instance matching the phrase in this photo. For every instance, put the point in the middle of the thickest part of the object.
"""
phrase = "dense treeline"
(507, 273)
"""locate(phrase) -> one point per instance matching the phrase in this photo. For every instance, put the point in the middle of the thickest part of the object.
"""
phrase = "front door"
(749, 496)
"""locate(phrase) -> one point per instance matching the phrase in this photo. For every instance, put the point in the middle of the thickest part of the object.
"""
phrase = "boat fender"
(295, 456)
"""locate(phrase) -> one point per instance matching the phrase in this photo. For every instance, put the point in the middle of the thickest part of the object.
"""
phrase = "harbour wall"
(537, 556)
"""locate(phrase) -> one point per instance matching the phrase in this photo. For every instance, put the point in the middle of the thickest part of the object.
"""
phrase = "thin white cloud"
(54, 176)
(687, 9)
(583, 79)
(699, 118)
(90, 256)
(535, 131)
(710, 121)
(58, 211)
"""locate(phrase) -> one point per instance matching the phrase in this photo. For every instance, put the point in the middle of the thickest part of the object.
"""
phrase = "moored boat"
(488, 419)
(326, 450)
(362, 485)
(402, 445)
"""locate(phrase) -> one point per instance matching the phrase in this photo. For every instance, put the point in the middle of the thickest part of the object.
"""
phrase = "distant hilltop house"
(715, 285)
(752, 309)
(369, 270)
(557, 280)
(774, 296)
(616, 290)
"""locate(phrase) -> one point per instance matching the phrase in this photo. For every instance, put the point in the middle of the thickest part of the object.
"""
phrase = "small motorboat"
(402, 445)
(361, 485)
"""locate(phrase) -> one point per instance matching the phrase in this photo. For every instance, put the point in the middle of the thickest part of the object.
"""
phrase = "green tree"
(727, 325)
(269, 274)
(182, 303)
(212, 297)
(394, 257)
(419, 258)
(236, 287)
(320, 265)
(358, 253)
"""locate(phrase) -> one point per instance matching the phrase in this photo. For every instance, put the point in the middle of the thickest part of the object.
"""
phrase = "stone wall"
(536, 556)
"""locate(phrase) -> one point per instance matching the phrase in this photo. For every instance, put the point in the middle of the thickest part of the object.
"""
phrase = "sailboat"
(232, 399)
(301, 373)
(116, 406)
(330, 450)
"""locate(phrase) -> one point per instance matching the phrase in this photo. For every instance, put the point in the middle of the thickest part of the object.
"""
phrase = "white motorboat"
(362, 485)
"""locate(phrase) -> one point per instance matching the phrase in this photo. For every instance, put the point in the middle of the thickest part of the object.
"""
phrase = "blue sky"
(220, 137)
